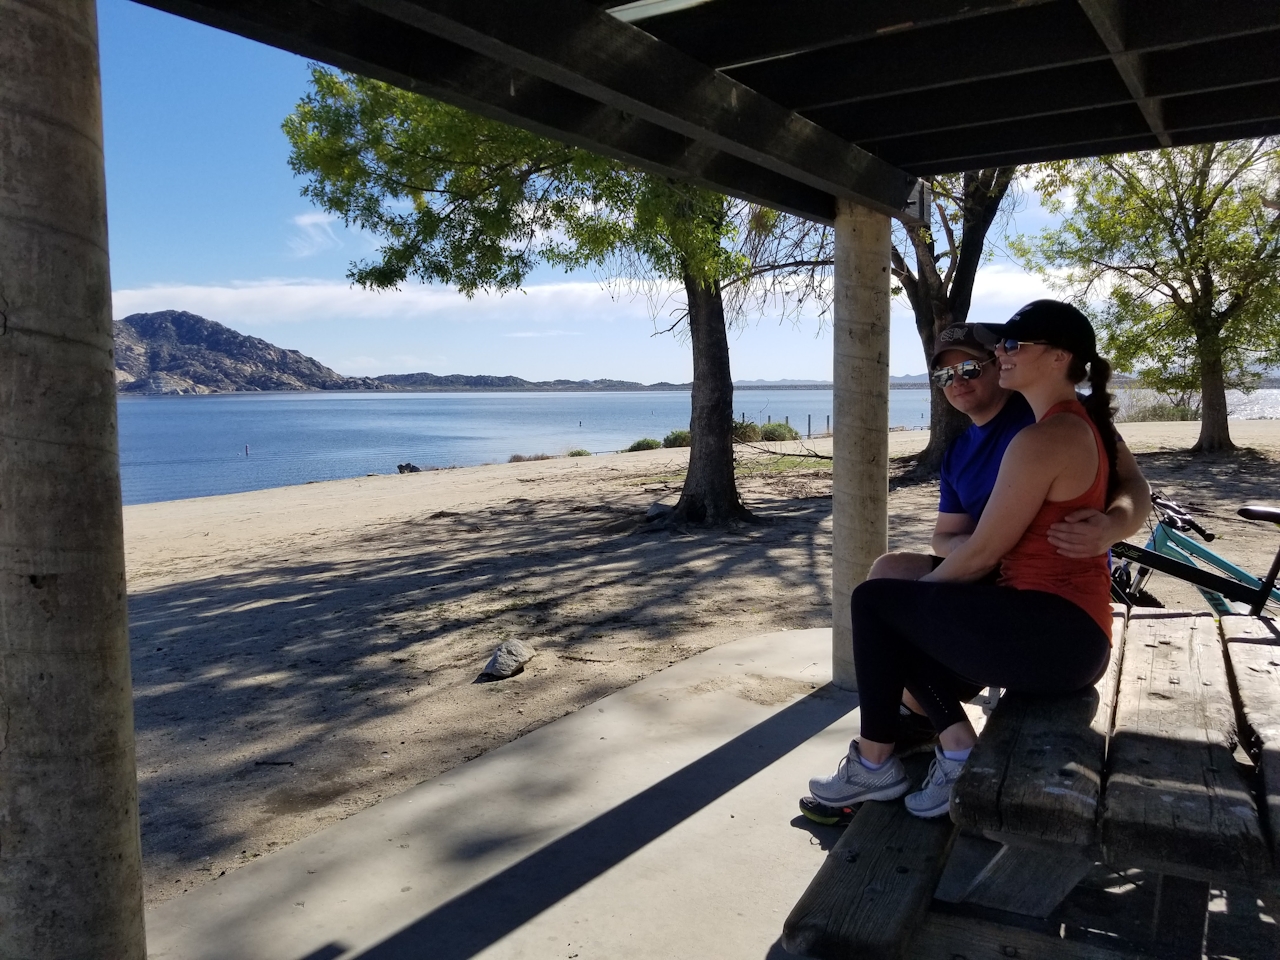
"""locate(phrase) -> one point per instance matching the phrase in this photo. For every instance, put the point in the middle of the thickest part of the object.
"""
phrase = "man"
(967, 372)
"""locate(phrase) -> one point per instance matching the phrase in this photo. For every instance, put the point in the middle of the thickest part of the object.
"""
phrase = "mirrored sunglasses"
(1011, 347)
(965, 370)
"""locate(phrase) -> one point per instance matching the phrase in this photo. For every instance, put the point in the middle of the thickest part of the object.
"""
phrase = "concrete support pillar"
(860, 493)
(70, 863)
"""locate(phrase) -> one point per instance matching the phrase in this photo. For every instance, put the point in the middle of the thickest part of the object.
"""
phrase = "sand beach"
(302, 652)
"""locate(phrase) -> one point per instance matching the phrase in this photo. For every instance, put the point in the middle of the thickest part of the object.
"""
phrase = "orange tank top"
(1035, 564)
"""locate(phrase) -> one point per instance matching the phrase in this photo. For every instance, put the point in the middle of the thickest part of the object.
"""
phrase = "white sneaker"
(933, 799)
(854, 783)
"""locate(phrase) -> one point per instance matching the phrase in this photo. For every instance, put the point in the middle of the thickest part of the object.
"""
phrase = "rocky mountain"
(174, 352)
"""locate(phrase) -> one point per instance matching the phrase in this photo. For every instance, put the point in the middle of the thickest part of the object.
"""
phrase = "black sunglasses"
(965, 370)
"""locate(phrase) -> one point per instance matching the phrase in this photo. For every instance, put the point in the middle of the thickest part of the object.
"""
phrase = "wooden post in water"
(860, 484)
(70, 863)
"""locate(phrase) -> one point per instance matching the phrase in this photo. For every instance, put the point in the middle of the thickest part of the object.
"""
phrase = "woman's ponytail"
(1098, 405)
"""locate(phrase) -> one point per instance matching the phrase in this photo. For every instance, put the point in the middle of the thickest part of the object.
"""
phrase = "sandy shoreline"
(300, 652)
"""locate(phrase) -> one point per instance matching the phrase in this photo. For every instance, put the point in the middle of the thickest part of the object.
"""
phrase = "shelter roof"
(794, 103)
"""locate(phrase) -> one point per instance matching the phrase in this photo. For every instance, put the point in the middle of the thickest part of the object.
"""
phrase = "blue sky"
(206, 216)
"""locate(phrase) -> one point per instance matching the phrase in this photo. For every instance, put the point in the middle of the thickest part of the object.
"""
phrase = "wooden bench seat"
(1253, 653)
(1037, 770)
(1175, 801)
(1137, 773)
(874, 886)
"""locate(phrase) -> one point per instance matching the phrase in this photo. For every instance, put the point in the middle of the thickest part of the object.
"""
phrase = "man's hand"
(1083, 533)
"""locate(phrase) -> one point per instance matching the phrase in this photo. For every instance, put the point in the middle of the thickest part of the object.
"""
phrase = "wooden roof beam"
(980, 102)
(1019, 42)
(361, 41)
(583, 49)
(1209, 68)
(1107, 18)
(1094, 133)
(761, 30)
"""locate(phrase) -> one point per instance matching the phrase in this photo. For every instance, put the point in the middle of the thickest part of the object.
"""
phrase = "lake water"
(177, 447)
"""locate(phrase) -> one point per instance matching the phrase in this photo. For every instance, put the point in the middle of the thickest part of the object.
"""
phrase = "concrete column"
(861, 430)
(70, 863)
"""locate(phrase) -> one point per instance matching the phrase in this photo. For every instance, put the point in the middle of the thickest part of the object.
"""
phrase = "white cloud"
(263, 303)
(999, 290)
(314, 234)
(571, 329)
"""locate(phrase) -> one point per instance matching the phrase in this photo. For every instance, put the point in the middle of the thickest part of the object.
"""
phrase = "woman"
(1045, 627)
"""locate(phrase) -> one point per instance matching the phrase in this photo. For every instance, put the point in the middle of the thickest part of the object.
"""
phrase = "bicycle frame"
(1220, 593)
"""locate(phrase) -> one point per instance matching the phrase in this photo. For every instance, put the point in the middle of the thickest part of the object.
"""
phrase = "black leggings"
(939, 639)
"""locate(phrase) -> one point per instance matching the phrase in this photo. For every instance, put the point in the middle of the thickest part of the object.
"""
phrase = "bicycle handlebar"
(1176, 516)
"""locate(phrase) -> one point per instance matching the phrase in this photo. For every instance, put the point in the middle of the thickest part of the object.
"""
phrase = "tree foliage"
(460, 199)
(1176, 255)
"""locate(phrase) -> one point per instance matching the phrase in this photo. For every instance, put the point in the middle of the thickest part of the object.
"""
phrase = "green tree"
(937, 278)
(1177, 255)
(456, 198)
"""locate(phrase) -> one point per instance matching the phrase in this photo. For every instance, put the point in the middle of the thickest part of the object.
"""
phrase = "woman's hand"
(1083, 533)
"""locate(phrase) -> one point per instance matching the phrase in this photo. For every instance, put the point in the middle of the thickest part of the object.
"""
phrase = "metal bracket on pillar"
(919, 203)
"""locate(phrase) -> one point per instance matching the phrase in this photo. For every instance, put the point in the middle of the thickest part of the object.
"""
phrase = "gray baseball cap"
(959, 336)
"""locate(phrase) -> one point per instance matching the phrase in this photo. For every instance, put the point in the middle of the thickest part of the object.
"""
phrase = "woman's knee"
(868, 593)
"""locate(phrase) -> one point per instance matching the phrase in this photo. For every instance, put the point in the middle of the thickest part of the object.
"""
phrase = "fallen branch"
(807, 453)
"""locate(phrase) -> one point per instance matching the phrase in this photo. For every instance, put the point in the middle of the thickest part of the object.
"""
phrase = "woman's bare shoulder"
(1052, 437)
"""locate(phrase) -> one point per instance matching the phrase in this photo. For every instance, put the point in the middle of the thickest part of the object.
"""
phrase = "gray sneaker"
(933, 799)
(854, 783)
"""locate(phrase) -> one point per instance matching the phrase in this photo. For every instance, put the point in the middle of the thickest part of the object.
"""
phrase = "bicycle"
(1170, 550)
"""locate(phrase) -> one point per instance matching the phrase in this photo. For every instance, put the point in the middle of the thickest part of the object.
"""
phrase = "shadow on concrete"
(488, 912)
(328, 952)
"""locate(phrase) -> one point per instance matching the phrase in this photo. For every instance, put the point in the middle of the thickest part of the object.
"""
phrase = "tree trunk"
(938, 301)
(1215, 436)
(70, 861)
(710, 494)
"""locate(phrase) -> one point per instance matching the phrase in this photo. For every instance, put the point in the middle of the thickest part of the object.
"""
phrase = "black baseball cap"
(1049, 321)
(958, 336)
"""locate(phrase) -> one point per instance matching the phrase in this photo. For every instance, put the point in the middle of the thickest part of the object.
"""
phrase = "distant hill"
(174, 352)
(430, 382)
(783, 384)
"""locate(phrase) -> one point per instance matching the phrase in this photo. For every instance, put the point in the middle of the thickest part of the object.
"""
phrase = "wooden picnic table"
(1139, 773)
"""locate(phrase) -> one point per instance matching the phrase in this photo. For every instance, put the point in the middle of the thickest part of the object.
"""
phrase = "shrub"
(677, 438)
(648, 443)
(1160, 410)
(745, 431)
(579, 453)
(521, 458)
(778, 431)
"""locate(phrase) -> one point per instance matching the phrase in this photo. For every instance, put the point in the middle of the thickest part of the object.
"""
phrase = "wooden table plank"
(872, 889)
(1175, 801)
(946, 937)
(1253, 649)
(1037, 769)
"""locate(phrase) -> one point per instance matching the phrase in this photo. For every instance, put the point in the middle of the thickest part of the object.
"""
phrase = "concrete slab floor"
(658, 822)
